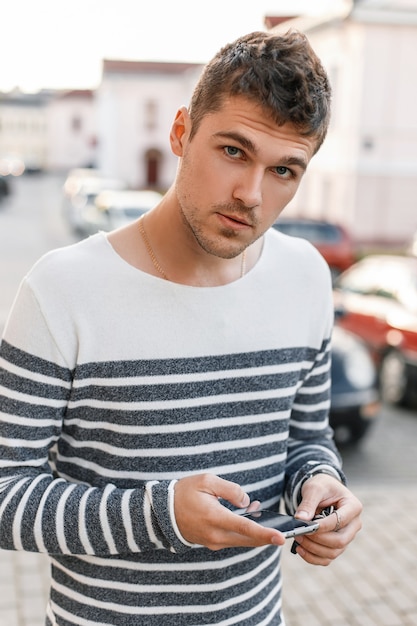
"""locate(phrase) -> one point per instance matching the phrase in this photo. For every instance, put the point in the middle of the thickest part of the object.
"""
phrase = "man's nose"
(248, 189)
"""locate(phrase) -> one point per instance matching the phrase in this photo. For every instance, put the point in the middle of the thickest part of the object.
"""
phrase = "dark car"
(4, 187)
(354, 395)
(331, 240)
(377, 298)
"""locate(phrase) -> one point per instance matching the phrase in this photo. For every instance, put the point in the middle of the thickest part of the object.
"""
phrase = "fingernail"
(245, 501)
(276, 541)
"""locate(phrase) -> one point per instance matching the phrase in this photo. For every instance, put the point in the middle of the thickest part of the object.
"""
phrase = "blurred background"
(96, 83)
(88, 91)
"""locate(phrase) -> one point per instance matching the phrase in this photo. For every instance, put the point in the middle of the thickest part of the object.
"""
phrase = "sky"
(60, 44)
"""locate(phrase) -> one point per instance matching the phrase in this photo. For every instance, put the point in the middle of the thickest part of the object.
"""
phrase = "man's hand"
(336, 530)
(202, 520)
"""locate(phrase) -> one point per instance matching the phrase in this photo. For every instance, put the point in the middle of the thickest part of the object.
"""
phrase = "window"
(151, 111)
(76, 124)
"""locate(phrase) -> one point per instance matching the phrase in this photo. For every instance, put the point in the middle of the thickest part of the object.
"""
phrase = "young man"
(158, 380)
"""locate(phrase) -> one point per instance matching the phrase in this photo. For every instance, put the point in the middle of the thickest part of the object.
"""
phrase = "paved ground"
(372, 584)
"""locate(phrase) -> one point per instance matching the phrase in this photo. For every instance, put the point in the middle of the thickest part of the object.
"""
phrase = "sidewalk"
(373, 584)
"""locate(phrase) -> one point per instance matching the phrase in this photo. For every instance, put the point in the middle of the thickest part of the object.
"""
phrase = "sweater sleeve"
(311, 447)
(43, 512)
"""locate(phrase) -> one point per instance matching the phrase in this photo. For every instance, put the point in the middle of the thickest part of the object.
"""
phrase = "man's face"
(236, 175)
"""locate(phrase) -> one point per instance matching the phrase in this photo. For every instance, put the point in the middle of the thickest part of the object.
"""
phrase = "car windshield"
(130, 212)
(381, 278)
(316, 233)
(408, 294)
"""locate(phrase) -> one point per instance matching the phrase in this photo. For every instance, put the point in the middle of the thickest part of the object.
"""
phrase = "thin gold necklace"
(157, 264)
(149, 248)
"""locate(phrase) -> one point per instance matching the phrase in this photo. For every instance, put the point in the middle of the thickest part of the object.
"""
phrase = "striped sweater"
(115, 384)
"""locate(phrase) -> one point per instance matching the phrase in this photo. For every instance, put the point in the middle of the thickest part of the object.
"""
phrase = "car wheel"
(345, 435)
(393, 379)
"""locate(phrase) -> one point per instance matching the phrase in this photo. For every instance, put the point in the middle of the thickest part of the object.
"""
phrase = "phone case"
(287, 525)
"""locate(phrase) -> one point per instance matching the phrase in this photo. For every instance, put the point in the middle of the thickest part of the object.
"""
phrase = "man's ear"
(180, 131)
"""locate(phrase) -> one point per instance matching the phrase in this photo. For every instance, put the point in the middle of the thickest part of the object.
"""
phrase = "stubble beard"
(216, 246)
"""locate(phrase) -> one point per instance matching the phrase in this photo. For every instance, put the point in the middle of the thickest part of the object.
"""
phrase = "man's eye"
(232, 151)
(282, 170)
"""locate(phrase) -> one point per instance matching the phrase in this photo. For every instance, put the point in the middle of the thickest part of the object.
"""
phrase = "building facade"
(136, 105)
(71, 130)
(365, 175)
(23, 128)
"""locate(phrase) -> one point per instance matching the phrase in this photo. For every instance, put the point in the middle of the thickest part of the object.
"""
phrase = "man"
(160, 380)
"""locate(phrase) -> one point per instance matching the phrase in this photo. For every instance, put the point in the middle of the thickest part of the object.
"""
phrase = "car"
(115, 208)
(4, 187)
(332, 240)
(355, 400)
(80, 190)
(377, 300)
(75, 177)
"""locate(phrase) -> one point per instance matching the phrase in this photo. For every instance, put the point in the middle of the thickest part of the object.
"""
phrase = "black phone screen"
(286, 524)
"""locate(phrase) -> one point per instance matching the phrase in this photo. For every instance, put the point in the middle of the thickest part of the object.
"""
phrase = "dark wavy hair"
(281, 73)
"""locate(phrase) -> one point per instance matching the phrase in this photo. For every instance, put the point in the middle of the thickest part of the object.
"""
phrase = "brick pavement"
(372, 584)
(375, 582)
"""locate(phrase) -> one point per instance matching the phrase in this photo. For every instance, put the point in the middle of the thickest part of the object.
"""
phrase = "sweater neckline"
(159, 280)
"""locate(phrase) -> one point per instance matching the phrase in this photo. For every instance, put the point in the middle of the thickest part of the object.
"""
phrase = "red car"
(377, 300)
(331, 240)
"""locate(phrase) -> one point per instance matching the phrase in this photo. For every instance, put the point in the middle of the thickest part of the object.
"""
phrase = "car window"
(375, 277)
(396, 282)
(315, 233)
(130, 212)
(362, 279)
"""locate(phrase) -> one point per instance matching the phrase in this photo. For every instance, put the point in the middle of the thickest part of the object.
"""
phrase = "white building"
(365, 175)
(71, 130)
(136, 105)
(49, 130)
(23, 124)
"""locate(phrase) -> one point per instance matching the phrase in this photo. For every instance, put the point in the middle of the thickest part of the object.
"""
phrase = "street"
(373, 584)
(31, 223)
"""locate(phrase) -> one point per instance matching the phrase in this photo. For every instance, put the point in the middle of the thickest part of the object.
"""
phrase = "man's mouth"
(236, 220)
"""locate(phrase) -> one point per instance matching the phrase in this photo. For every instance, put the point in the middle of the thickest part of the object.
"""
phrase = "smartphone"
(287, 525)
